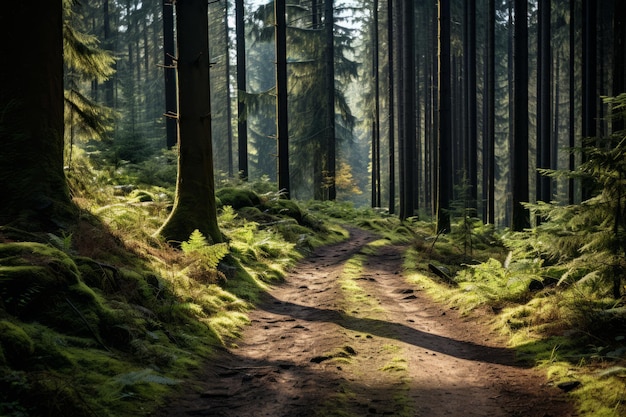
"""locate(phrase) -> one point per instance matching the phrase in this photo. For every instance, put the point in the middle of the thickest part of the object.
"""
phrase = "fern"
(63, 242)
(196, 242)
(204, 257)
(126, 385)
(493, 282)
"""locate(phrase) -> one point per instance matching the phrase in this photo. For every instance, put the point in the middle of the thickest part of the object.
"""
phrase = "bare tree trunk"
(33, 188)
(544, 128)
(194, 204)
(170, 74)
(329, 28)
(521, 218)
(445, 122)
(489, 141)
(282, 124)
(229, 111)
(407, 197)
(590, 87)
(472, 134)
(572, 96)
(391, 112)
(109, 86)
(376, 169)
(242, 114)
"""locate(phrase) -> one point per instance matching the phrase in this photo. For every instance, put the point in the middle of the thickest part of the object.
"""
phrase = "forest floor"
(314, 348)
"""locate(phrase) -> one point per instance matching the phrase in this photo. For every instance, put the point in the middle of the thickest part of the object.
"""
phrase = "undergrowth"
(103, 319)
(556, 317)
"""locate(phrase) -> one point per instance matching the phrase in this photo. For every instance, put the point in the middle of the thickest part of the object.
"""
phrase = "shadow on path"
(432, 342)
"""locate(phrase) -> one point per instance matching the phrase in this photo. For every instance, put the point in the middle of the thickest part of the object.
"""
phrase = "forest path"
(346, 335)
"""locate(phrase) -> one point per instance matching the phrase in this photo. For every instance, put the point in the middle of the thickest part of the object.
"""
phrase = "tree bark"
(544, 86)
(194, 204)
(407, 197)
(619, 55)
(229, 111)
(519, 175)
(401, 111)
(109, 85)
(242, 114)
(329, 28)
(489, 141)
(391, 112)
(445, 122)
(376, 168)
(282, 124)
(572, 96)
(169, 50)
(472, 134)
(33, 190)
(589, 81)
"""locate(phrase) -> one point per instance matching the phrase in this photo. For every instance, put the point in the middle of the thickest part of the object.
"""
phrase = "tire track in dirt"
(395, 353)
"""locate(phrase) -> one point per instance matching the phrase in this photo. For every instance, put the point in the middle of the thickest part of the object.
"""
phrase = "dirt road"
(346, 335)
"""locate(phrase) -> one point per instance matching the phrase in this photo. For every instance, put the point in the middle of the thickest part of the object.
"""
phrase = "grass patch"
(395, 365)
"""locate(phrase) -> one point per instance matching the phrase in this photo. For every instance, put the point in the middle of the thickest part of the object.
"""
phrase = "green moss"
(141, 196)
(253, 214)
(98, 276)
(16, 344)
(30, 273)
(282, 207)
(395, 365)
(237, 197)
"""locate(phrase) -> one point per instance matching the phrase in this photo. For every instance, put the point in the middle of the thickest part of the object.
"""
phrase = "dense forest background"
(389, 75)
(162, 162)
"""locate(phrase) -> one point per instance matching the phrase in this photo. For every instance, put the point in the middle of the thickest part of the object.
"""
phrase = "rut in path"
(313, 348)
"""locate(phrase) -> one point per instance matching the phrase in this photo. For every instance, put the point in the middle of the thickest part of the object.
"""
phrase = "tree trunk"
(572, 97)
(391, 112)
(521, 218)
(445, 123)
(376, 169)
(109, 85)
(434, 112)
(590, 87)
(169, 74)
(229, 111)
(33, 189)
(316, 14)
(242, 114)
(472, 134)
(194, 204)
(401, 111)
(407, 197)
(329, 175)
(544, 128)
(489, 141)
(619, 55)
(282, 125)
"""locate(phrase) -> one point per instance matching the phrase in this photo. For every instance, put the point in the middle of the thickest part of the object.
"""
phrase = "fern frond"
(196, 242)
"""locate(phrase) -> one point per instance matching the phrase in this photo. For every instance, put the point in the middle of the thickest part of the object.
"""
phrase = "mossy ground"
(103, 319)
(565, 331)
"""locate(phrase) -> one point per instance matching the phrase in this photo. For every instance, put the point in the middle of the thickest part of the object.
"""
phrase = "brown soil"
(309, 351)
